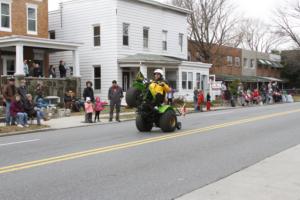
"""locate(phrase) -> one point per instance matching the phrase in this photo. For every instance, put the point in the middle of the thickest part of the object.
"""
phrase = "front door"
(126, 81)
(9, 65)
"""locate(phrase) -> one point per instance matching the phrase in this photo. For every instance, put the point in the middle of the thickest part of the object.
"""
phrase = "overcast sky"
(251, 8)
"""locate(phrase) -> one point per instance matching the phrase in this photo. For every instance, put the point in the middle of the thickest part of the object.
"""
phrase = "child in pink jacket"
(89, 109)
(99, 106)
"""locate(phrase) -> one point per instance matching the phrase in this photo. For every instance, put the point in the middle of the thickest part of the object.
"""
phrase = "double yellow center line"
(71, 156)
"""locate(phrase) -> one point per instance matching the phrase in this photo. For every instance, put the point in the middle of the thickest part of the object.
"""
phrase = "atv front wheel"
(142, 125)
(133, 97)
(168, 121)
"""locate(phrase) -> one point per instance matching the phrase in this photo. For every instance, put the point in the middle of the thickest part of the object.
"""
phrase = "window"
(52, 35)
(146, 37)
(164, 40)
(189, 56)
(184, 80)
(198, 80)
(181, 41)
(245, 62)
(190, 80)
(252, 63)
(229, 60)
(125, 34)
(97, 36)
(203, 81)
(171, 76)
(237, 61)
(97, 77)
(32, 19)
(198, 56)
(5, 16)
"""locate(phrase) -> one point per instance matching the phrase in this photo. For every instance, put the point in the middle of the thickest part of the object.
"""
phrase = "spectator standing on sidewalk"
(88, 106)
(115, 95)
(88, 91)
(196, 99)
(99, 106)
(200, 101)
(208, 102)
(22, 91)
(9, 92)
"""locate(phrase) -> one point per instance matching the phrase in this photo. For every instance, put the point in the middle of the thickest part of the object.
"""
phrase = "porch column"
(164, 70)
(76, 68)
(143, 70)
(19, 60)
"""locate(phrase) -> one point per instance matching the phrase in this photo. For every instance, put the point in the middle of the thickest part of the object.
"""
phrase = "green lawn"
(297, 98)
(11, 129)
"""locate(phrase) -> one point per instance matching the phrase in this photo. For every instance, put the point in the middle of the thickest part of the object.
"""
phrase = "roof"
(38, 42)
(166, 6)
(270, 63)
(149, 58)
(153, 3)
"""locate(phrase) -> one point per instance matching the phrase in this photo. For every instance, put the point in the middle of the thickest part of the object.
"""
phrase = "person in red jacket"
(17, 111)
(256, 96)
(200, 101)
(99, 106)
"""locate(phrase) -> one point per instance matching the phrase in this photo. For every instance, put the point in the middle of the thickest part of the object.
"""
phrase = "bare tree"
(287, 19)
(211, 24)
(259, 36)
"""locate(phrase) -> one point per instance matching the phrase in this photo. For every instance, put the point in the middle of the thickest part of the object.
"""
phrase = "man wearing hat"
(115, 94)
(9, 91)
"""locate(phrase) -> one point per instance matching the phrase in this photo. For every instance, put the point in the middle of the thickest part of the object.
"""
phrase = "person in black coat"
(37, 70)
(88, 91)
(62, 69)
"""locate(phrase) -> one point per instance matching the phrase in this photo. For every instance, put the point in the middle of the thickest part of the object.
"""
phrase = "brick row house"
(231, 63)
(24, 36)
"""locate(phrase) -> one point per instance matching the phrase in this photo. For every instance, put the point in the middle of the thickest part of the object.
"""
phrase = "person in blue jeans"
(9, 91)
(17, 110)
(39, 108)
(32, 110)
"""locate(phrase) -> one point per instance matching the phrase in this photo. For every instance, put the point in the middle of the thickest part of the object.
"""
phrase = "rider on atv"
(148, 98)
(159, 87)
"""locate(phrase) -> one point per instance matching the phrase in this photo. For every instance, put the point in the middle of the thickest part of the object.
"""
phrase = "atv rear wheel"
(133, 97)
(142, 125)
(168, 121)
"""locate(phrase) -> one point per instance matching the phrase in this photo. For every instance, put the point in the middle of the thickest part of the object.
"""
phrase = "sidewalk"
(275, 178)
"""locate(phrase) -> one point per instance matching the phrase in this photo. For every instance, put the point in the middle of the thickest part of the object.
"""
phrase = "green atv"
(149, 113)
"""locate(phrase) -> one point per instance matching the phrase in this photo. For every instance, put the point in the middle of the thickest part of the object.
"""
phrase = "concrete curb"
(125, 120)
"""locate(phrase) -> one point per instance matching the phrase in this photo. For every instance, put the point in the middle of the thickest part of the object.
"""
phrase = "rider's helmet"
(159, 71)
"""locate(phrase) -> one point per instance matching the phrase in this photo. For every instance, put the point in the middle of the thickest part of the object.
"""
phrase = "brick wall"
(268, 72)
(219, 60)
(19, 18)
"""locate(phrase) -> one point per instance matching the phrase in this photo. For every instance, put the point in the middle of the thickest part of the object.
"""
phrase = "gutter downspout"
(61, 13)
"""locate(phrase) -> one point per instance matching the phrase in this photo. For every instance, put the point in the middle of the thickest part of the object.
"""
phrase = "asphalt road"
(114, 161)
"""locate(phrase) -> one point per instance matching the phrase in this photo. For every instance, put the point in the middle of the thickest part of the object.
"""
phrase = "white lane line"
(20, 142)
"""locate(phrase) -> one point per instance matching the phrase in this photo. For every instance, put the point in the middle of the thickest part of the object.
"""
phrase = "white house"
(122, 37)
